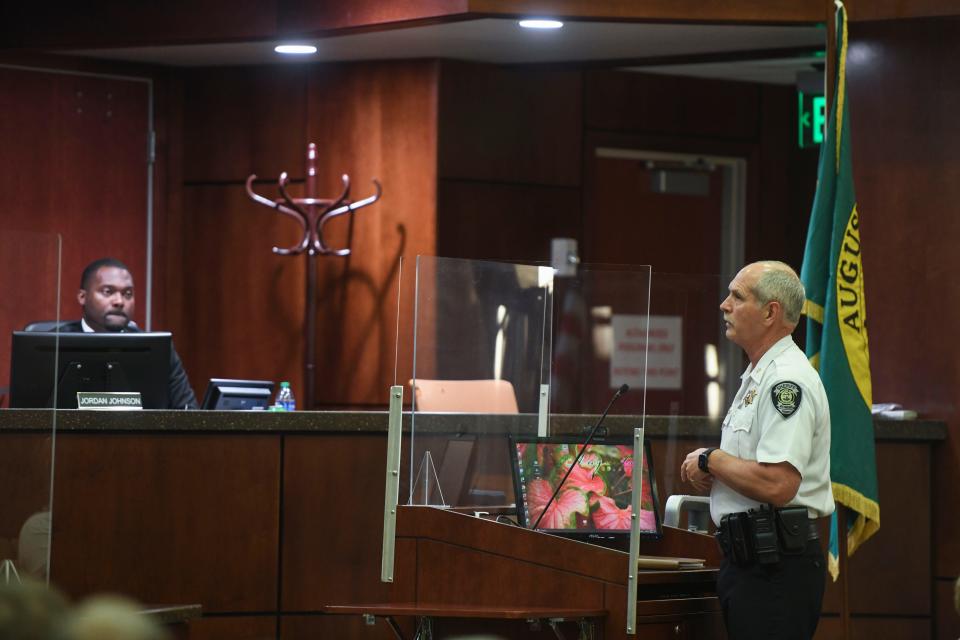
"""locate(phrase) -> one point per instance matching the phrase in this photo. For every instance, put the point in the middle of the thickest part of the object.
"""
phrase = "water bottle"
(285, 397)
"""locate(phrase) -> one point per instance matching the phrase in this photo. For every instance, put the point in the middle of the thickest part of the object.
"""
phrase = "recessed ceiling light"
(295, 49)
(540, 23)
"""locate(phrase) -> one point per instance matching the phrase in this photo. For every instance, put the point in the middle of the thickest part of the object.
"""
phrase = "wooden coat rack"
(312, 214)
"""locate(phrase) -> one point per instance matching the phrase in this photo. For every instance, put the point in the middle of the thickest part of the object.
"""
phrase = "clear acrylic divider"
(490, 354)
(692, 373)
(479, 371)
(690, 408)
(472, 368)
(599, 376)
(30, 273)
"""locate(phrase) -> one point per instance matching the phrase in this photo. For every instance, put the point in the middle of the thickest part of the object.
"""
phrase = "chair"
(51, 325)
(465, 396)
(43, 325)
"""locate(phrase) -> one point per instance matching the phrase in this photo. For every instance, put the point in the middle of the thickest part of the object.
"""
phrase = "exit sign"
(813, 118)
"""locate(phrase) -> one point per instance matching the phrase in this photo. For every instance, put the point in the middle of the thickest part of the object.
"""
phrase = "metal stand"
(8, 569)
(427, 484)
(312, 214)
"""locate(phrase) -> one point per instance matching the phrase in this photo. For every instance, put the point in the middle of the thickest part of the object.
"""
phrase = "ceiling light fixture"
(540, 23)
(295, 49)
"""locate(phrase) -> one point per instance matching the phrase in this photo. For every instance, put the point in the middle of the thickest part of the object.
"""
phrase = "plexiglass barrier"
(30, 284)
(493, 356)
(480, 372)
(489, 352)
(693, 375)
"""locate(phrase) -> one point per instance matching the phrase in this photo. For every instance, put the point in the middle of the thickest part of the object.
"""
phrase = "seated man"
(106, 297)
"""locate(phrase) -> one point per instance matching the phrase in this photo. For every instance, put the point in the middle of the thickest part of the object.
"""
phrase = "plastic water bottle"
(285, 397)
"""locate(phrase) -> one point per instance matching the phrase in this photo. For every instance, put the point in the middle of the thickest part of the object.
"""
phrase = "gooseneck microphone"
(622, 390)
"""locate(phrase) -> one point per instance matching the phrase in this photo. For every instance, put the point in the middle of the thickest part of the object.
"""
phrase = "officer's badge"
(748, 399)
(786, 398)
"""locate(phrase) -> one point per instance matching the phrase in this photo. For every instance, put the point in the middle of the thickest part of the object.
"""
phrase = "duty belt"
(763, 535)
(813, 529)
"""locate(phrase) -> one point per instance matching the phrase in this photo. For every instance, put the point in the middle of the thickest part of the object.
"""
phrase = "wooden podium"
(451, 565)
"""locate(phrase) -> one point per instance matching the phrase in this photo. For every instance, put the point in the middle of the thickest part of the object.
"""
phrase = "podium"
(455, 566)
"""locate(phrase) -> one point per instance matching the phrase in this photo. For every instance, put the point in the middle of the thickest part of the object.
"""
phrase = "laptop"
(595, 503)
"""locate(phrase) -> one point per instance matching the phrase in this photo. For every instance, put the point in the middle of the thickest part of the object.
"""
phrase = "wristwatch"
(704, 460)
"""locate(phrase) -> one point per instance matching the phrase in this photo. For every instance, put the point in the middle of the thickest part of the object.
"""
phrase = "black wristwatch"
(704, 460)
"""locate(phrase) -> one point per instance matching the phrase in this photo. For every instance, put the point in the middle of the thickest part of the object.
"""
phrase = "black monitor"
(88, 362)
(224, 394)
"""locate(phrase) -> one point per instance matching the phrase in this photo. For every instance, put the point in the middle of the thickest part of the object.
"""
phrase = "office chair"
(51, 325)
(43, 325)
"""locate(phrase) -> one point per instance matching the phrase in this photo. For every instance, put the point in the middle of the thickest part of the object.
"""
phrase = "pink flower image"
(584, 476)
(648, 520)
(595, 495)
(608, 515)
(562, 514)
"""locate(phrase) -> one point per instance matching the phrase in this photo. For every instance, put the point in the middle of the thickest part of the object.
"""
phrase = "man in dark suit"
(107, 299)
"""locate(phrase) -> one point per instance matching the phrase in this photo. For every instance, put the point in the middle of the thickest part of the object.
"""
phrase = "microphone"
(622, 390)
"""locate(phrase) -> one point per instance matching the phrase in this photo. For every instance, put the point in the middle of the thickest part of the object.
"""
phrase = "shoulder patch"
(786, 397)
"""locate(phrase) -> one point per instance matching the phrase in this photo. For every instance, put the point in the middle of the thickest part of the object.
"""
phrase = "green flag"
(836, 321)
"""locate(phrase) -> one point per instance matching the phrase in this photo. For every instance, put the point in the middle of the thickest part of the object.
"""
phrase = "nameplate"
(112, 401)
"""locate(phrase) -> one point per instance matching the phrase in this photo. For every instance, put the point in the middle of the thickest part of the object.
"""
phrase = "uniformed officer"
(774, 452)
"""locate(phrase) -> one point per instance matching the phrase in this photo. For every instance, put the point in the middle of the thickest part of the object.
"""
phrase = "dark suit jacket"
(179, 389)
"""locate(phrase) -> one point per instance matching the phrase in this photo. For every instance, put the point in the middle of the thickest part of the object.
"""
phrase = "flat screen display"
(136, 361)
(226, 394)
(595, 502)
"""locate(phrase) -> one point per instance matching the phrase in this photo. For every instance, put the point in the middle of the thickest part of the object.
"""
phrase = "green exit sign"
(813, 118)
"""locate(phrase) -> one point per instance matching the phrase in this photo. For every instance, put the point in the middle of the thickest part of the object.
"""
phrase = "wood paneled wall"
(185, 503)
(240, 307)
(509, 168)
(518, 167)
(241, 313)
(73, 162)
(513, 146)
(906, 155)
(372, 121)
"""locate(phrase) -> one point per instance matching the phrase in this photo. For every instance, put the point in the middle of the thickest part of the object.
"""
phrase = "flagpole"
(830, 60)
(832, 64)
(844, 571)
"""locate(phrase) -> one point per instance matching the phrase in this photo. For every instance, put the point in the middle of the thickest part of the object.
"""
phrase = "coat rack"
(312, 214)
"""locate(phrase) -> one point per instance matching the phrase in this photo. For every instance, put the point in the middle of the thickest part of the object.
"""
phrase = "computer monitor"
(88, 362)
(224, 394)
(594, 504)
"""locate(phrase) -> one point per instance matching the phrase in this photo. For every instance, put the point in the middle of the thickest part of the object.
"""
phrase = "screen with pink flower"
(596, 496)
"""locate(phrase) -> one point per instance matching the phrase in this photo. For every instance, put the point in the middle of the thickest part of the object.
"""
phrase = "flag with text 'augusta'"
(836, 321)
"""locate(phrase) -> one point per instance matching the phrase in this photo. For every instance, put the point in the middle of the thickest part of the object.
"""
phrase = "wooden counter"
(265, 519)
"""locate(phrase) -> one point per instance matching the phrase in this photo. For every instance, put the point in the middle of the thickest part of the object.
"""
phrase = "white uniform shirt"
(755, 429)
